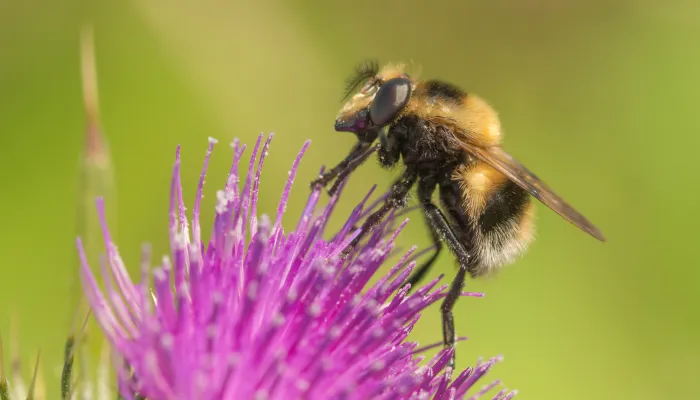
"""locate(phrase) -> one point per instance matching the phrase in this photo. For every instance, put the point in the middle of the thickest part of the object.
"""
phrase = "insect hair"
(363, 71)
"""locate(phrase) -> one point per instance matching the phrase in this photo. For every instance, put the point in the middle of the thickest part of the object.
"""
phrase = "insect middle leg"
(397, 199)
(441, 228)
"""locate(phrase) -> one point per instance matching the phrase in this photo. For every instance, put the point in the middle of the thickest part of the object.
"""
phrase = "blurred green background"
(597, 97)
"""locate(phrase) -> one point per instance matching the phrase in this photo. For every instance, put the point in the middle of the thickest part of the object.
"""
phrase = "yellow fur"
(473, 121)
(503, 245)
(477, 181)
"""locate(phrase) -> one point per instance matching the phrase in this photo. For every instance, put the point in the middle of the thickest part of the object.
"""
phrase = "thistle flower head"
(260, 313)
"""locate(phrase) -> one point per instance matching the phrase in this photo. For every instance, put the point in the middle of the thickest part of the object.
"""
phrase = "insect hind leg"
(441, 228)
(420, 273)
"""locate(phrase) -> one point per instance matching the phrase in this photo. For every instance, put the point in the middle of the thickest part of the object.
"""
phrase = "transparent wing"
(518, 173)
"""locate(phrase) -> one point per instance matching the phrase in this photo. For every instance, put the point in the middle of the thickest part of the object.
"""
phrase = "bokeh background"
(598, 97)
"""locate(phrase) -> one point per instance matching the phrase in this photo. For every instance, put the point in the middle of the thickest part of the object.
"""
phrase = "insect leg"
(352, 165)
(357, 152)
(397, 199)
(441, 227)
(419, 273)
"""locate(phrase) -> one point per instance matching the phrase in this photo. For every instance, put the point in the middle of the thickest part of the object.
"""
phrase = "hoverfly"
(446, 140)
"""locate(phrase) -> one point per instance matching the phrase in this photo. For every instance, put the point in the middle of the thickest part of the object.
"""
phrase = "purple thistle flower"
(279, 316)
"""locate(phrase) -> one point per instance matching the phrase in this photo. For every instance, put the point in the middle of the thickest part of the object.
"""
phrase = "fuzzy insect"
(446, 140)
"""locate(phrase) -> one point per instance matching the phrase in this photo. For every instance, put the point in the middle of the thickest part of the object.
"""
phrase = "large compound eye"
(390, 99)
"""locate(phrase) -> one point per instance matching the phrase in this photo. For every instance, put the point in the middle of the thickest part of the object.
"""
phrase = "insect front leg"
(442, 228)
(389, 152)
(350, 167)
(357, 150)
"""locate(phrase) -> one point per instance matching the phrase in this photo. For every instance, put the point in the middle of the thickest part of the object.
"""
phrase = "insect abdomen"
(500, 215)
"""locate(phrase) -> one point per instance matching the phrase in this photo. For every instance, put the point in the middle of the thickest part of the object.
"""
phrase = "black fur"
(507, 203)
(445, 91)
(430, 157)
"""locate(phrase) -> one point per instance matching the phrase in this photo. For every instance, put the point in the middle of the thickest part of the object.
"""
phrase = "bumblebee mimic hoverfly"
(449, 140)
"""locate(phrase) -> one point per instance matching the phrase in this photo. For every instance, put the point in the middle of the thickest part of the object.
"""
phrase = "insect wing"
(518, 173)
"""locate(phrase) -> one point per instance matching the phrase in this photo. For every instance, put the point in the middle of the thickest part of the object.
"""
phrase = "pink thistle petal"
(277, 315)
